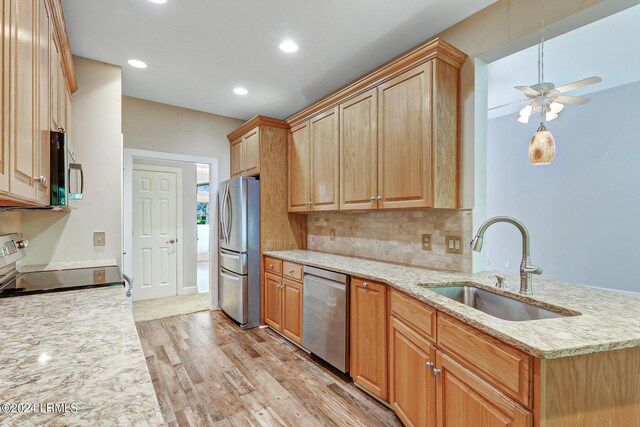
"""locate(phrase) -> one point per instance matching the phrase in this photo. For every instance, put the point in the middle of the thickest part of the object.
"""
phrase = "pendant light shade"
(542, 148)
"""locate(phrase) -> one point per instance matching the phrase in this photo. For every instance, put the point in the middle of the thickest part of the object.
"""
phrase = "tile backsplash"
(394, 236)
(10, 222)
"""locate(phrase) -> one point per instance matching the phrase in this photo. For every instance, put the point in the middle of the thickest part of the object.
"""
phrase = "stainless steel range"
(13, 283)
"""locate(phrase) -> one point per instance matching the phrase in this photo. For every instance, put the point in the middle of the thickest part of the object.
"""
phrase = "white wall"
(95, 134)
(581, 210)
(189, 241)
(160, 127)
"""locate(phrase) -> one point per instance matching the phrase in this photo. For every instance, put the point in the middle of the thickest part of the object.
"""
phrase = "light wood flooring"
(206, 371)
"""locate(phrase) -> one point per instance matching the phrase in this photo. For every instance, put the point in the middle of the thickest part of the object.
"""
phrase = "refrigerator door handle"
(223, 211)
(230, 217)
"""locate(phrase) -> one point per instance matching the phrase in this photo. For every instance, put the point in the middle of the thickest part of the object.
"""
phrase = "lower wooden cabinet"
(369, 336)
(272, 301)
(412, 383)
(283, 304)
(292, 310)
(466, 400)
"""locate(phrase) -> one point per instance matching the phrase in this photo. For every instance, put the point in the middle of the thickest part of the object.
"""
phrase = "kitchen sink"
(497, 305)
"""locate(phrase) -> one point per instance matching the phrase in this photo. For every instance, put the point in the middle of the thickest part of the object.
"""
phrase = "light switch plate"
(99, 238)
(454, 244)
(426, 242)
(99, 276)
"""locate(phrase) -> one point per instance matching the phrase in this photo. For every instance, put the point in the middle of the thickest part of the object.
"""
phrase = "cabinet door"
(251, 153)
(369, 336)
(273, 301)
(62, 95)
(53, 83)
(325, 161)
(358, 152)
(24, 141)
(4, 88)
(292, 310)
(44, 103)
(404, 139)
(412, 383)
(299, 164)
(236, 157)
(466, 400)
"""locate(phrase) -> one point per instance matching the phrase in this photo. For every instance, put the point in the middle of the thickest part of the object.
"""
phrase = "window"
(202, 208)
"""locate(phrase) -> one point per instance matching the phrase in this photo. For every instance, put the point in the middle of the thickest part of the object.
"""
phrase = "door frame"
(127, 213)
(179, 222)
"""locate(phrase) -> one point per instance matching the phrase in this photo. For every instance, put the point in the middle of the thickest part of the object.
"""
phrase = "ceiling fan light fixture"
(556, 107)
(523, 119)
(550, 115)
(542, 148)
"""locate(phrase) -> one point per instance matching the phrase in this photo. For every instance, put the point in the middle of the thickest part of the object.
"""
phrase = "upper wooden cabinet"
(245, 154)
(299, 149)
(397, 139)
(359, 152)
(36, 68)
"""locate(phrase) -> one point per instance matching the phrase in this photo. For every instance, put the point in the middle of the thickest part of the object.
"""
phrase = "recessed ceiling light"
(137, 63)
(158, 1)
(288, 46)
(240, 91)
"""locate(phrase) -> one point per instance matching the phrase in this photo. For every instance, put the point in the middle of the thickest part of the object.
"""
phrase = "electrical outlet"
(454, 244)
(426, 242)
(99, 276)
(332, 234)
(99, 238)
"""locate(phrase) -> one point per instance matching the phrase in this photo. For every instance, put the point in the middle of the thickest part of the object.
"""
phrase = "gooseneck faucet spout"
(526, 269)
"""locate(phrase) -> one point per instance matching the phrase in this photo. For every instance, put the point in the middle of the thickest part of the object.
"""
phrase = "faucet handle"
(532, 269)
(501, 282)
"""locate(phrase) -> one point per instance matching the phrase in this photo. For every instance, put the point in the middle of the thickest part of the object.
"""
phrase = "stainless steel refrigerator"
(239, 253)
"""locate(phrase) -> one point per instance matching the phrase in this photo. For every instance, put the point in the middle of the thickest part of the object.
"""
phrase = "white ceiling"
(199, 50)
(607, 48)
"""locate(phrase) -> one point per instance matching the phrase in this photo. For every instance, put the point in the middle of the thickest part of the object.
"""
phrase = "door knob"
(172, 241)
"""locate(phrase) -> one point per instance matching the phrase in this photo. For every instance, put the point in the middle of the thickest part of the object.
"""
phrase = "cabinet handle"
(290, 271)
(379, 197)
(372, 198)
(365, 285)
(436, 372)
(270, 265)
(41, 179)
(280, 286)
(429, 365)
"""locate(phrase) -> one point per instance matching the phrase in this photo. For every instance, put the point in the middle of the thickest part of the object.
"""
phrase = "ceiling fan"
(546, 97)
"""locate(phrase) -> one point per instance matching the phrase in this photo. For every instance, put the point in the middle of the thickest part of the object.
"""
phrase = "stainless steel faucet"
(526, 269)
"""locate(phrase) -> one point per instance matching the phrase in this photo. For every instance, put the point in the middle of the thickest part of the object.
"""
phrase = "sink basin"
(497, 305)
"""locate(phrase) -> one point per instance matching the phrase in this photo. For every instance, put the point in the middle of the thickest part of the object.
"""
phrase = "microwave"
(67, 177)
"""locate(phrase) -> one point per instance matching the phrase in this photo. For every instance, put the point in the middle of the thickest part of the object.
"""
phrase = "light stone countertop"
(76, 347)
(608, 320)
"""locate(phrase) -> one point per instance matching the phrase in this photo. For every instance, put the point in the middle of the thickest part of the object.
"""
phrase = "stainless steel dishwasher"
(325, 324)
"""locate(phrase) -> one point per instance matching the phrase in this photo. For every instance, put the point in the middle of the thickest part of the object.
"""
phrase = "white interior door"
(155, 232)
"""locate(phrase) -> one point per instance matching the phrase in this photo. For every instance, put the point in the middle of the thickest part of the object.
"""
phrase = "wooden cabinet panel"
(412, 384)
(420, 317)
(53, 83)
(292, 271)
(299, 151)
(251, 153)
(465, 400)
(24, 118)
(503, 366)
(358, 152)
(405, 139)
(4, 88)
(273, 301)
(325, 161)
(369, 336)
(43, 108)
(236, 157)
(292, 310)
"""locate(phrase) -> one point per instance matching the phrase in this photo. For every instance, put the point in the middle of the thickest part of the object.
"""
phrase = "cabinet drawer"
(503, 366)
(419, 316)
(273, 265)
(292, 271)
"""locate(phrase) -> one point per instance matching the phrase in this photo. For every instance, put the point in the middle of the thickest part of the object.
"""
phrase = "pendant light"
(542, 148)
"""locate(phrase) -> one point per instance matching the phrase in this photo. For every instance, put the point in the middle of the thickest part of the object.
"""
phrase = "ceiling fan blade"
(564, 99)
(527, 90)
(580, 83)
(510, 103)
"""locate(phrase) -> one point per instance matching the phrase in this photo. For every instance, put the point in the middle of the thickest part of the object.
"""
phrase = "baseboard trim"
(190, 290)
